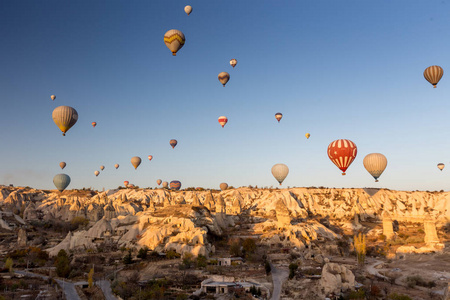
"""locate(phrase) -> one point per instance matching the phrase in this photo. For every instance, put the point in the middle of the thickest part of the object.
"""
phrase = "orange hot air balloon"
(125, 183)
(150, 157)
(94, 124)
(433, 74)
(342, 153)
(223, 120)
(278, 116)
(62, 165)
(173, 143)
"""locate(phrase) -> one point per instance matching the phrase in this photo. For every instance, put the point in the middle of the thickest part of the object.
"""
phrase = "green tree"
(201, 261)
(235, 249)
(9, 264)
(267, 267)
(91, 278)
(292, 269)
(62, 264)
(249, 246)
(127, 259)
(360, 247)
(142, 253)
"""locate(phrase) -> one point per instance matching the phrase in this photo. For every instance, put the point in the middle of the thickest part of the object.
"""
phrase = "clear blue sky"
(335, 69)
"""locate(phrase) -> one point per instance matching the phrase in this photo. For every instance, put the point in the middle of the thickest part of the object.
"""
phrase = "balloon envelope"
(307, 135)
(174, 40)
(280, 171)
(175, 185)
(233, 62)
(62, 165)
(441, 166)
(150, 157)
(53, 97)
(173, 143)
(188, 9)
(223, 186)
(278, 116)
(135, 161)
(159, 181)
(224, 77)
(165, 184)
(223, 120)
(116, 166)
(125, 183)
(64, 117)
(342, 153)
(96, 173)
(102, 168)
(94, 124)
(433, 74)
(61, 181)
(375, 164)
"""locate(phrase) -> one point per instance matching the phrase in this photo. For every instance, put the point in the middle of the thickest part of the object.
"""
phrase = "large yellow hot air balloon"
(174, 40)
(136, 161)
(188, 9)
(375, 163)
(433, 74)
(223, 78)
(64, 117)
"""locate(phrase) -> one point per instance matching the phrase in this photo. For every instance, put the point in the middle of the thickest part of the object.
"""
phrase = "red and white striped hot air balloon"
(223, 120)
(433, 74)
(342, 153)
(150, 157)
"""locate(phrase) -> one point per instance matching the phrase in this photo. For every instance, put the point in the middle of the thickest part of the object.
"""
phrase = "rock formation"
(336, 278)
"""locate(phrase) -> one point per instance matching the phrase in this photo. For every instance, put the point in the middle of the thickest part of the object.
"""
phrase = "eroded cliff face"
(181, 220)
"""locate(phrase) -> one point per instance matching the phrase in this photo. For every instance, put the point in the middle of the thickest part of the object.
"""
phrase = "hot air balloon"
(441, 166)
(159, 181)
(126, 183)
(188, 9)
(102, 168)
(175, 185)
(173, 143)
(135, 161)
(233, 62)
(94, 124)
(307, 135)
(223, 186)
(224, 77)
(375, 163)
(62, 165)
(278, 116)
(116, 166)
(150, 157)
(165, 184)
(64, 117)
(96, 173)
(433, 74)
(174, 40)
(223, 120)
(280, 171)
(342, 153)
(61, 181)
(53, 97)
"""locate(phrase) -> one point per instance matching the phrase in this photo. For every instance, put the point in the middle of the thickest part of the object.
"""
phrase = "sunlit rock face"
(182, 220)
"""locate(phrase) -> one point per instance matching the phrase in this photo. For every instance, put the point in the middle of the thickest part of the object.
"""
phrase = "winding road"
(279, 275)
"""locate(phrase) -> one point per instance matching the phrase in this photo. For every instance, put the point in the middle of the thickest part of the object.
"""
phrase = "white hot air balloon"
(233, 62)
(280, 171)
(53, 97)
(188, 9)
(375, 163)
(64, 117)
